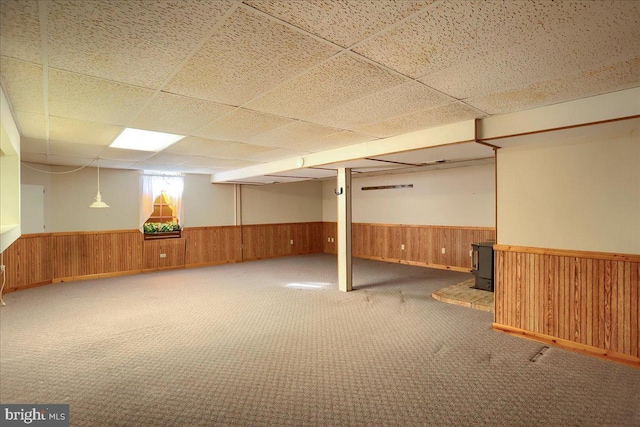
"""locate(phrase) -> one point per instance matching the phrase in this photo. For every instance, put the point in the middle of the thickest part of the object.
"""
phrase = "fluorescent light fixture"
(144, 140)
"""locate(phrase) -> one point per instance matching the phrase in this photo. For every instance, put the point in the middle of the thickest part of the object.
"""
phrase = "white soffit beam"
(463, 151)
(7, 120)
(610, 106)
(442, 135)
(594, 132)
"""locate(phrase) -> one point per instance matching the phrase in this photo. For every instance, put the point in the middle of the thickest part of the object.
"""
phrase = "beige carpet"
(234, 345)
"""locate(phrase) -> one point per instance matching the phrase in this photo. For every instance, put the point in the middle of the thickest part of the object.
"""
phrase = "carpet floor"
(274, 342)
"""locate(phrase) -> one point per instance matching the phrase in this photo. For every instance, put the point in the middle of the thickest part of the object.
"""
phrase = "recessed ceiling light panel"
(144, 140)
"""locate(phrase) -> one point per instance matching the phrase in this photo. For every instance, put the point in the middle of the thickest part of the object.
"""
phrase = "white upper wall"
(68, 196)
(207, 204)
(9, 176)
(282, 203)
(457, 197)
(581, 194)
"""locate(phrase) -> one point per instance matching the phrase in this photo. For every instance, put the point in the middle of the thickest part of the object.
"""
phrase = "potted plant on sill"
(161, 230)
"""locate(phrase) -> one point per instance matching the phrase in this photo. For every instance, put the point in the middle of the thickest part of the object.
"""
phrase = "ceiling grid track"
(44, 43)
(186, 59)
(342, 51)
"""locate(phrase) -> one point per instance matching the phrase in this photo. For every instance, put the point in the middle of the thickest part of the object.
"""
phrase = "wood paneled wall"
(422, 243)
(212, 245)
(28, 262)
(273, 240)
(163, 254)
(38, 259)
(584, 301)
(330, 231)
(102, 253)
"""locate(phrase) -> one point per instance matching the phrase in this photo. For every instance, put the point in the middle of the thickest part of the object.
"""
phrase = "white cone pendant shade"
(98, 203)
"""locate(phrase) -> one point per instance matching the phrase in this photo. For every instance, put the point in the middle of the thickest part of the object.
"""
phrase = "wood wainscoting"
(163, 254)
(261, 241)
(29, 262)
(412, 244)
(80, 255)
(212, 245)
(38, 259)
(583, 301)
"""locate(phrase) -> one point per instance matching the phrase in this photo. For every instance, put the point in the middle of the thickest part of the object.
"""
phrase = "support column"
(343, 192)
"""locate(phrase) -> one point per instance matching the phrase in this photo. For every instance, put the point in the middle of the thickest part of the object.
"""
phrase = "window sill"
(163, 235)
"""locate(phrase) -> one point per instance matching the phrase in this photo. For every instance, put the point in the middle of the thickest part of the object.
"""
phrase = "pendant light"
(98, 203)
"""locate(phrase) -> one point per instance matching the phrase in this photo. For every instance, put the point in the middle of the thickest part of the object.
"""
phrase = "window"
(163, 210)
(160, 202)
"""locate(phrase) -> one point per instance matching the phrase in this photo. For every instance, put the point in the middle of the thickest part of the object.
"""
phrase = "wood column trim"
(345, 273)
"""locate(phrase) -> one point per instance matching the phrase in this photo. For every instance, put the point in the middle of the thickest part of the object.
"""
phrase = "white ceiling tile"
(341, 22)
(81, 132)
(567, 51)
(33, 158)
(247, 55)
(210, 162)
(623, 75)
(383, 105)
(23, 83)
(241, 126)
(70, 149)
(135, 41)
(196, 146)
(276, 154)
(470, 150)
(32, 146)
(338, 81)
(455, 32)
(115, 164)
(178, 114)
(166, 158)
(70, 161)
(431, 117)
(292, 135)
(122, 154)
(31, 125)
(20, 30)
(94, 100)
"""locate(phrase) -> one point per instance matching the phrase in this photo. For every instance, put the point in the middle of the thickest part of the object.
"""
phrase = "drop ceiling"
(253, 82)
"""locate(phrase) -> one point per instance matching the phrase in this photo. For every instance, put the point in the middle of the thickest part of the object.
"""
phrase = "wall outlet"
(443, 251)
(329, 239)
(402, 247)
(163, 255)
(333, 240)
(291, 241)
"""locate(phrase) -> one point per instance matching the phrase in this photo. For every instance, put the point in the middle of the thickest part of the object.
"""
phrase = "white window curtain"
(151, 186)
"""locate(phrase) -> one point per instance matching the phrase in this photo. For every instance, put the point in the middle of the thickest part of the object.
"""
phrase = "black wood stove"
(483, 265)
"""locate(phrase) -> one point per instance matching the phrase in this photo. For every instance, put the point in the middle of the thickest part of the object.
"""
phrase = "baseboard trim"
(570, 345)
(29, 286)
(280, 256)
(211, 263)
(95, 276)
